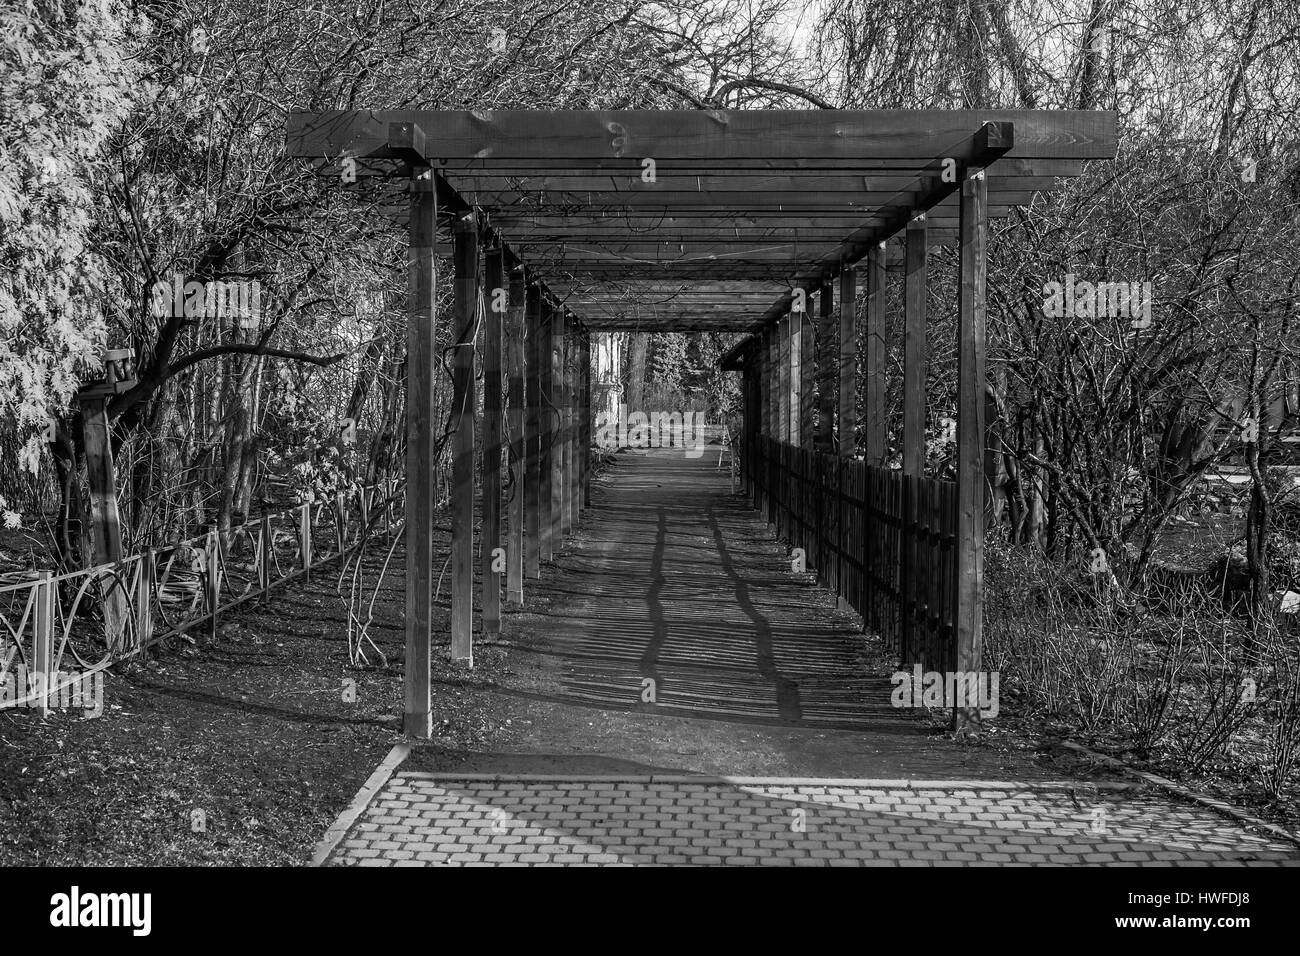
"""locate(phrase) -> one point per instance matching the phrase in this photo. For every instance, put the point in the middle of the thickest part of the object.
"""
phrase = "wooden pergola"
(564, 223)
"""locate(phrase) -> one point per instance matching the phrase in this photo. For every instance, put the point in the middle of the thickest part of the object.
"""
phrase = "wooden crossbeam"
(666, 135)
(673, 203)
(670, 187)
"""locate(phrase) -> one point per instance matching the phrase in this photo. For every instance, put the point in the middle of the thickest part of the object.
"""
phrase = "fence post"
(267, 558)
(144, 599)
(304, 539)
(339, 522)
(43, 656)
(213, 558)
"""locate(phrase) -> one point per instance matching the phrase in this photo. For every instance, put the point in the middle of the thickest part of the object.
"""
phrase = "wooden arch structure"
(564, 223)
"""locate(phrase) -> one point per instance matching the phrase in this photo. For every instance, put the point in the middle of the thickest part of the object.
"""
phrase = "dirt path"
(672, 579)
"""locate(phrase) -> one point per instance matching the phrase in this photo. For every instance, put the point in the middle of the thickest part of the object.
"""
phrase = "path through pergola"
(564, 223)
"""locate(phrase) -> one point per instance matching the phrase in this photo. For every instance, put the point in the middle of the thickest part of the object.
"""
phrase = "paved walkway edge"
(1218, 806)
(707, 780)
(372, 786)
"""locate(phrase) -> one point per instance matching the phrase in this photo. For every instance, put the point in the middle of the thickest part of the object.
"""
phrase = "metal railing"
(86, 620)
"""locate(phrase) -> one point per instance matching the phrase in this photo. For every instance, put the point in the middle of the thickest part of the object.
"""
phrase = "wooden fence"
(78, 623)
(883, 541)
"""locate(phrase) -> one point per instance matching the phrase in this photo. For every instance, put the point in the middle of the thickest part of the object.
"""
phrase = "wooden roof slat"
(745, 206)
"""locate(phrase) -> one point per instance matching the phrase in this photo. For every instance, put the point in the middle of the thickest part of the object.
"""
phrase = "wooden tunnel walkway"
(561, 224)
(674, 579)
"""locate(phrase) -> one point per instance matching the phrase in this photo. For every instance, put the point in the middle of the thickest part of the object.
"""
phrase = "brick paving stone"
(638, 823)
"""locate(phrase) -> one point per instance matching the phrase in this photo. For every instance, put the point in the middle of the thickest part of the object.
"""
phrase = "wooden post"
(267, 561)
(914, 349)
(784, 361)
(769, 372)
(464, 408)
(546, 419)
(532, 430)
(212, 558)
(340, 523)
(970, 437)
(559, 438)
(749, 423)
(515, 418)
(305, 552)
(492, 558)
(144, 598)
(586, 421)
(848, 385)
(827, 379)
(794, 332)
(565, 396)
(776, 353)
(421, 296)
(43, 643)
(914, 645)
(575, 423)
(807, 371)
(106, 529)
(877, 352)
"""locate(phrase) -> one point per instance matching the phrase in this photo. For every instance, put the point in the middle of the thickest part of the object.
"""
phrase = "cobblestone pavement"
(422, 819)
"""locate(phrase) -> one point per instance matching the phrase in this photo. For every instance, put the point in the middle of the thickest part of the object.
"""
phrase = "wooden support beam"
(586, 420)
(546, 419)
(624, 137)
(568, 368)
(877, 351)
(515, 371)
(848, 386)
(421, 315)
(533, 339)
(914, 349)
(776, 404)
(576, 407)
(970, 438)
(871, 207)
(496, 295)
(559, 436)
(766, 391)
(787, 432)
(618, 174)
(840, 176)
(548, 188)
(807, 370)
(827, 377)
(464, 409)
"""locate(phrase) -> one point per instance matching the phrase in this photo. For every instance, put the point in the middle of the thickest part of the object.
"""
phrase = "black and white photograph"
(650, 433)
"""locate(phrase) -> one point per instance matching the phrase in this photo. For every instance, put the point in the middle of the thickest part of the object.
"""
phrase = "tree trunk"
(636, 371)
